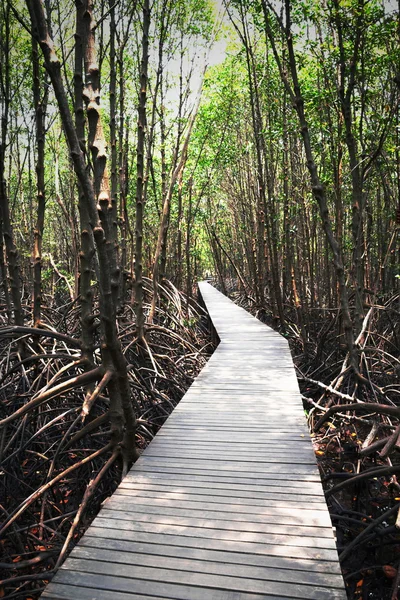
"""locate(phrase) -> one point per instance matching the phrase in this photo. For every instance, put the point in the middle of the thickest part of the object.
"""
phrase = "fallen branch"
(381, 409)
(391, 443)
(31, 359)
(23, 564)
(38, 493)
(39, 332)
(365, 532)
(374, 447)
(89, 427)
(63, 277)
(89, 401)
(66, 386)
(352, 479)
(92, 485)
(24, 578)
(327, 388)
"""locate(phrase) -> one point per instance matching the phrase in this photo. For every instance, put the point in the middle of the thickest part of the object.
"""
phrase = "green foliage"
(219, 185)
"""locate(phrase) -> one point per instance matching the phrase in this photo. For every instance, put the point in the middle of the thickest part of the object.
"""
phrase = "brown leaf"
(389, 571)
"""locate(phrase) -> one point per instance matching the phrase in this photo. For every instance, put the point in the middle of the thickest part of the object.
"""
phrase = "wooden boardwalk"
(226, 503)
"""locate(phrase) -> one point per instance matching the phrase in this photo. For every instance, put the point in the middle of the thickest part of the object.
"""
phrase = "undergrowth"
(56, 462)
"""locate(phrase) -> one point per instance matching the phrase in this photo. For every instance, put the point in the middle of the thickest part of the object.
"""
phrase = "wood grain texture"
(226, 503)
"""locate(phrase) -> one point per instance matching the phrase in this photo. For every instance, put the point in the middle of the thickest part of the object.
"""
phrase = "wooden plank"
(226, 503)
(122, 508)
(248, 424)
(61, 591)
(130, 587)
(223, 435)
(225, 483)
(184, 563)
(226, 453)
(251, 478)
(231, 465)
(232, 446)
(213, 457)
(218, 556)
(235, 427)
(268, 512)
(211, 495)
(318, 547)
(112, 529)
(164, 579)
(264, 421)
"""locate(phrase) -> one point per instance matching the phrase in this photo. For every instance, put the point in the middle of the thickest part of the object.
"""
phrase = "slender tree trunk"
(345, 96)
(265, 184)
(40, 115)
(140, 197)
(178, 259)
(318, 189)
(163, 229)
(187, 248)
(286, 259)
(3, 274)
(86, 233)
(114, 153)
(8, 235)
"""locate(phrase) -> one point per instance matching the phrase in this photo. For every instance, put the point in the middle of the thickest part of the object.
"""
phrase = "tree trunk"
(140, 197)
(86, 233)
(11, 249)
(40, 115)
(318, 189)
(96, 195)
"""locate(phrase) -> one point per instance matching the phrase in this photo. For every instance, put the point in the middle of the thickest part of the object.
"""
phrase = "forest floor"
(50, 456)
(52, 459)
(358, 454)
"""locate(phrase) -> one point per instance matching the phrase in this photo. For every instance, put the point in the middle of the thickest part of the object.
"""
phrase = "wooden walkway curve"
(226, 503)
